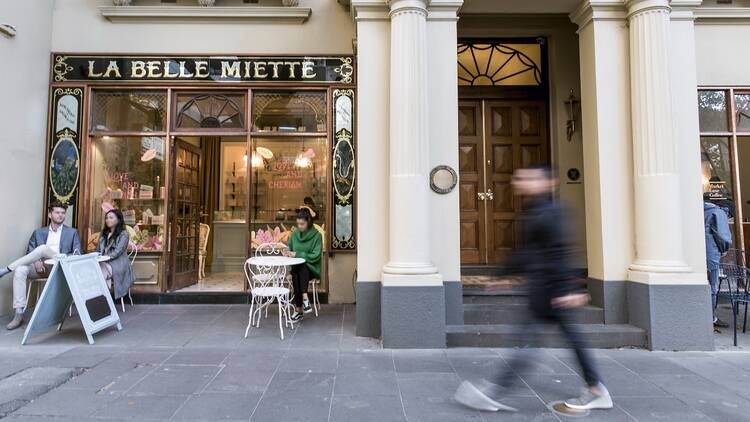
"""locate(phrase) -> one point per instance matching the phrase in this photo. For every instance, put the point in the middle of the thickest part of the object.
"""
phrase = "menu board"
(79, 280)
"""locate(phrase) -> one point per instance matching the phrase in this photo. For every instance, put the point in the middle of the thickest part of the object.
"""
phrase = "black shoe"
(720, 324)
(296, 316)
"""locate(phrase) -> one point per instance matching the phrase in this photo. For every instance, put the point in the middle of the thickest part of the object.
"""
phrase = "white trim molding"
(249, 13)
(722, 15)
(598, 10)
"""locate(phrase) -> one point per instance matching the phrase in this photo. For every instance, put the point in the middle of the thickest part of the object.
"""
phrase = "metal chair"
(132, 254)
(734, 282)
(39, 282)
(266, 286)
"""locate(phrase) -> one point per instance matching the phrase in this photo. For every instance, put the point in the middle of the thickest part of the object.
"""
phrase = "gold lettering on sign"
(154, 70)
(231, 69)
(167, 73)
(275, 69)
(201, 69)
(260, 67)
(183, 70)
(307, 70)
(112, 68)
(137, 69)
(291, 68)
(92, 73)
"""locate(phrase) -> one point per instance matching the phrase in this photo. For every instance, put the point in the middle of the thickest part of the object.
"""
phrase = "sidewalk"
(191, 362)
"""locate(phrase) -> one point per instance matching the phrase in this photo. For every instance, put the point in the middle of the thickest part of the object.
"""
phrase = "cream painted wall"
(720, 54)
(24, 79)
(564, 76)
(79, 27)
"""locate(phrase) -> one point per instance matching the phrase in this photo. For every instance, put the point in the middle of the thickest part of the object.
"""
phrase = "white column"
(607, 152)
(658, 218)
(409, 235)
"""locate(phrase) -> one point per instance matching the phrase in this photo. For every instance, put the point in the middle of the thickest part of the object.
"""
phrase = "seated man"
(45, 243)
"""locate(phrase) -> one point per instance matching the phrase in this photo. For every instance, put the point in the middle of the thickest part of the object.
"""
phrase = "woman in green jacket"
(305, 242)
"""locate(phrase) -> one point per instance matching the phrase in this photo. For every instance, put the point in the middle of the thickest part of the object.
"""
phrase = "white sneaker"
(470, 396)
(306, 308)
(588, 400)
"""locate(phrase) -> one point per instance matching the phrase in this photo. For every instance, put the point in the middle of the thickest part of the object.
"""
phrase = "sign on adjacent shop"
(79, 280)
(203, 69)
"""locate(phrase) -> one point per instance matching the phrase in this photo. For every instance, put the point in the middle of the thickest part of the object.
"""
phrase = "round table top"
(100, 258)
(275, 261)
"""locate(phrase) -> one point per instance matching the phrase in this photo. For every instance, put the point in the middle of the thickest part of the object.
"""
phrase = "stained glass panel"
(496, 64)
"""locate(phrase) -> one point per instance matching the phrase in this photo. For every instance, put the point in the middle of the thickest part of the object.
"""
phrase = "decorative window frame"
(344, 142)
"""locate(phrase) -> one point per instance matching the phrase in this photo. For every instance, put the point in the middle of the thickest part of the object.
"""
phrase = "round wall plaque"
(443, 179)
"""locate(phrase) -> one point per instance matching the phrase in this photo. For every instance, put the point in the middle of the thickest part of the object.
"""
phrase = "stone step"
(603, 336)
(517, 313)
(510, 298)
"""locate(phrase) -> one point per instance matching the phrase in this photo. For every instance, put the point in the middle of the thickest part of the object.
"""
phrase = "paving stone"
(421, 361)
(375, 360)
(428, 384)
(367, 408)
(81, 357)
(142, 407)
(236, 379)
(431, 409)
(529, 409)
(219, 406)
(24, 386)
(300, 408)
(309, 360)
(366, 383)
(200, 356)
(61, 402)
(660, 408)
(541, 362)
(290, 384)
(175, 379)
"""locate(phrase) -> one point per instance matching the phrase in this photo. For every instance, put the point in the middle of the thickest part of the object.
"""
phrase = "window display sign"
(64, 154)
(203, 68)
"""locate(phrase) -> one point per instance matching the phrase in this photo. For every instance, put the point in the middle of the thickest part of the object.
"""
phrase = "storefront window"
(716, 168)
(210, 110)
(303, 112)
(128, 111)
(742, 111)
(712, 111)
(287, 172)
(128, 174)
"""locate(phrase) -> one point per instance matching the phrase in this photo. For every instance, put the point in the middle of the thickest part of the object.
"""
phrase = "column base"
(413, 311)
(368, 309)
(675, 310)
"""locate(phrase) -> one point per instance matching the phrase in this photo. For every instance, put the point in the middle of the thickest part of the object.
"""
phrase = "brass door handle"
(482, 196)
(490, 196)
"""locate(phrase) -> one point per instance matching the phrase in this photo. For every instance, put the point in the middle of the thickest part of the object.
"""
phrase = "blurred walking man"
(544, 260)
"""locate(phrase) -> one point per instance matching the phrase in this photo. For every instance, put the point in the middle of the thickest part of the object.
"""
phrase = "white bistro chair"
(132, 255)
(267, 284)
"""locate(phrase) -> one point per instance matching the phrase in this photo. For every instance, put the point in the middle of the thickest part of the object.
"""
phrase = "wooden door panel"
(471, 182)
(185, 215)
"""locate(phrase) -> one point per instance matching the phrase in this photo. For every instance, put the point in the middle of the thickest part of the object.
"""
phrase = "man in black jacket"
(544, 260)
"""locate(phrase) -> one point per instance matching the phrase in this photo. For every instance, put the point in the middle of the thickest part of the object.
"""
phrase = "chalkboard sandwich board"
(75, 279)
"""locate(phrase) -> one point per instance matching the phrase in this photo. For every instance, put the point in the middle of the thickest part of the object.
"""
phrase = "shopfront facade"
(234, 115)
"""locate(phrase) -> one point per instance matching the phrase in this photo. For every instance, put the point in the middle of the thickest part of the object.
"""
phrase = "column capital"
(684, 10)
(444, 10)
(370, 10)
(598, 10)
(636, 7)
(408, 6)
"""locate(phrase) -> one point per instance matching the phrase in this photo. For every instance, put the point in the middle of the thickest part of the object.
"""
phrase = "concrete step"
(512, 335)
(517, 313)
(503, 299)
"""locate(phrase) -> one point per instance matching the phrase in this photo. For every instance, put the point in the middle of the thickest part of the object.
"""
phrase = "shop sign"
(297, 69)
(716, 190)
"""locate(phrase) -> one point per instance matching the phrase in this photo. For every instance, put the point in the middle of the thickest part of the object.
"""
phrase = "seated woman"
(113, 243)
(307, 243)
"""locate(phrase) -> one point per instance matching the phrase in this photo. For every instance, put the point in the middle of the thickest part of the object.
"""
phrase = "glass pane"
(716, 167)
(128, 174)
(287, 173)
(210, 110)
(742, 112)
(743, 158)
(484, 64)
(712, 111)
(131, 111)
(289, 112)
(233, 183)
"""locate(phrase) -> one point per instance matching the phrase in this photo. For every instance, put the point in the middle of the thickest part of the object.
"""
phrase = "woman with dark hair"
(113, 243)
(305, 242)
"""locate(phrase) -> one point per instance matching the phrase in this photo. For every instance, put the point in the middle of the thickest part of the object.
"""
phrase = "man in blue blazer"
(46, 242)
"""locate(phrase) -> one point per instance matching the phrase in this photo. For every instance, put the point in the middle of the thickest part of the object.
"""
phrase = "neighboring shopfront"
(224, 149)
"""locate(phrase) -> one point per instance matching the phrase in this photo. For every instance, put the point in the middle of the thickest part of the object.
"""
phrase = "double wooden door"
(495, 138)
(185, 215)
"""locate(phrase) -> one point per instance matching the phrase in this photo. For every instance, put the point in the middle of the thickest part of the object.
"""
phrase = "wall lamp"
(571, 106)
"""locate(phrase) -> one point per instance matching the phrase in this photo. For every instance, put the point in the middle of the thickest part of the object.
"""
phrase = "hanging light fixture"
(304, 158)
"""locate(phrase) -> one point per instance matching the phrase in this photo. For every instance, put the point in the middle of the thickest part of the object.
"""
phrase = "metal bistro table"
(267, 278)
